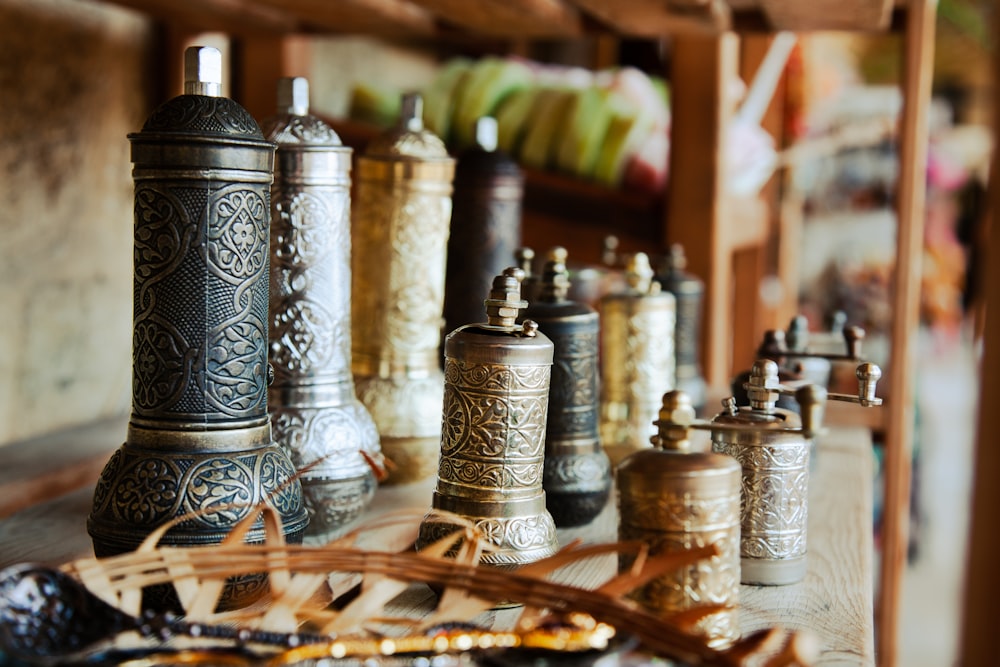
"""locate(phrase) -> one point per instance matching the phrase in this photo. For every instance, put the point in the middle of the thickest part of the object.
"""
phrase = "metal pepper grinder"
(316, 416)
(796, 362)
(493, 435)
(577, 477)
(485, 224)
(399, 228)
(637, 359)
(772, 445)
(673, 497)
(689, 293)
(199, 437)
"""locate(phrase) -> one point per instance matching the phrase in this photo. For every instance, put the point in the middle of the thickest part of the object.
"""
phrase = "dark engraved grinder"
(577, 478)
(493, 432)
(316, 415)
(689, 295)
(485, 224)
(199, 437)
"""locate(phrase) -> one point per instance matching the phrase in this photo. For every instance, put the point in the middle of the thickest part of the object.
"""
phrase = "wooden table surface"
(834, 601)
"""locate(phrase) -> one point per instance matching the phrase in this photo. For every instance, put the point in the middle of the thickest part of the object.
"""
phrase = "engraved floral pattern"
(146, 491)
(221, 490)
(775, 487)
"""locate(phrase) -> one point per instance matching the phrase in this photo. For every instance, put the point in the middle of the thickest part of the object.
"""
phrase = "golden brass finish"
(577, 477)
(672, 498)
(399, 229)
(316, 416)
(199, 437)
(493, 437)
(637, 359)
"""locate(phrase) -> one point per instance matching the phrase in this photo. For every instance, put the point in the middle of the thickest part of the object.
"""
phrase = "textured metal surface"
(200, 436)
(689, 295)
(577, 477)
(315, 413)
(497, 378)
(775, 479)
(637, 360)
(485, 229)
(399, 229)
(673, 498)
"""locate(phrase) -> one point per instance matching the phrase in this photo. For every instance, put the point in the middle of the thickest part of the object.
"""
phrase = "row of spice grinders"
(199, 442)
(400, 218)
(496, 396)
(316, 416)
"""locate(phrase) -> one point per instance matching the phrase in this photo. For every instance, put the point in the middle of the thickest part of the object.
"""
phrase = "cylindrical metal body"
(577, 478)
(316, 416)
(199, 438)
(689, 295)
(775, 474)
(493, 435)
(637, 360)
(485, 225)
(399, 228)
(673, 498)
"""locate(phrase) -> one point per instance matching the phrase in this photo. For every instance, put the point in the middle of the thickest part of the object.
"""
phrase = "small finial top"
(676, 414)
(487, 133)
(555, 277)
(411, 113)
(293, 95)
(505, 300)
(762, 388)
(203, 71)
(639, 273)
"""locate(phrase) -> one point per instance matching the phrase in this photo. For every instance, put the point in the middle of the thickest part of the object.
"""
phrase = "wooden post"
(918, 59)
(978, 641)
(696, 213)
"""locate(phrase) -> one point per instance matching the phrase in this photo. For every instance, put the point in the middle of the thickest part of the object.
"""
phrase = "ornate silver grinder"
(637, 359)
(689, 294)
(199, 437)
(399, 227)
(316, 416)
(485, 224)
(772, 445)
(493, 433)
(577, 478)
(673, 497)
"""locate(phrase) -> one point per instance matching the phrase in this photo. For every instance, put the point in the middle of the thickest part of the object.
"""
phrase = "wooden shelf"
(520, 19)
(833, 602)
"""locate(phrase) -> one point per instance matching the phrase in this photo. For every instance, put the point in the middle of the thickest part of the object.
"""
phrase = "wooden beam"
(977, 641)
(376, 17)
(797, 15)
(697, 208)
(230, 16)
(654, 18)
(509, 18)
(918, 62)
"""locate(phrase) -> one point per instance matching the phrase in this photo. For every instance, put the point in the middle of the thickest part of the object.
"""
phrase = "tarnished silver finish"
(399, 229)
(689, 294)
(773, 450)
(316, 416)
(199, 437)
(493, 432)
(672, 497)
(637, 359)
(577, 477)
(485, 224)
